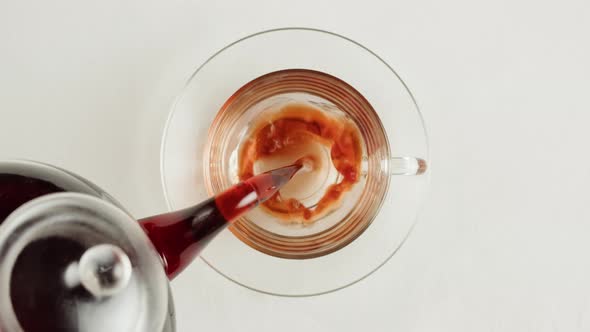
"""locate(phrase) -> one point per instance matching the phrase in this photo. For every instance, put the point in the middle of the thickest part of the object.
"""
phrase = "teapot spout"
(180, 236)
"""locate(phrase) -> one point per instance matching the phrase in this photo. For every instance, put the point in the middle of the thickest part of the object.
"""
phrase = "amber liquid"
(293, 129)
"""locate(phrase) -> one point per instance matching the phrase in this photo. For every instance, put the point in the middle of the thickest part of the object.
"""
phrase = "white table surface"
(502, 244)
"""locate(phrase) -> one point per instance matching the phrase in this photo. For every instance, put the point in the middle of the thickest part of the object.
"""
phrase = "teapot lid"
(73, 262)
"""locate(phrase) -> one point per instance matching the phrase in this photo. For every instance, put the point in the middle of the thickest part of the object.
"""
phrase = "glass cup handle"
(407, 166)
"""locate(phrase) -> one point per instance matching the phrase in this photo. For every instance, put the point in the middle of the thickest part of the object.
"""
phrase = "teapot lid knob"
(104, 270)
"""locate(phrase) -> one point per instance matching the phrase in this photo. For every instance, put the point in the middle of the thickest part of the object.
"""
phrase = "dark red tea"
(16, 190)
(290, 131)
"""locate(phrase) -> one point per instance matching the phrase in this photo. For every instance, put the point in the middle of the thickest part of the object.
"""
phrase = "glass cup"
(263, 71)
(269, 93)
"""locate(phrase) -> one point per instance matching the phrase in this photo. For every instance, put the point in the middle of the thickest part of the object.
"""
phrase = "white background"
(504, 86)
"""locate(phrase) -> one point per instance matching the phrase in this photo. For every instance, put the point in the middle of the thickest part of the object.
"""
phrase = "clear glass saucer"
(186, 158)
